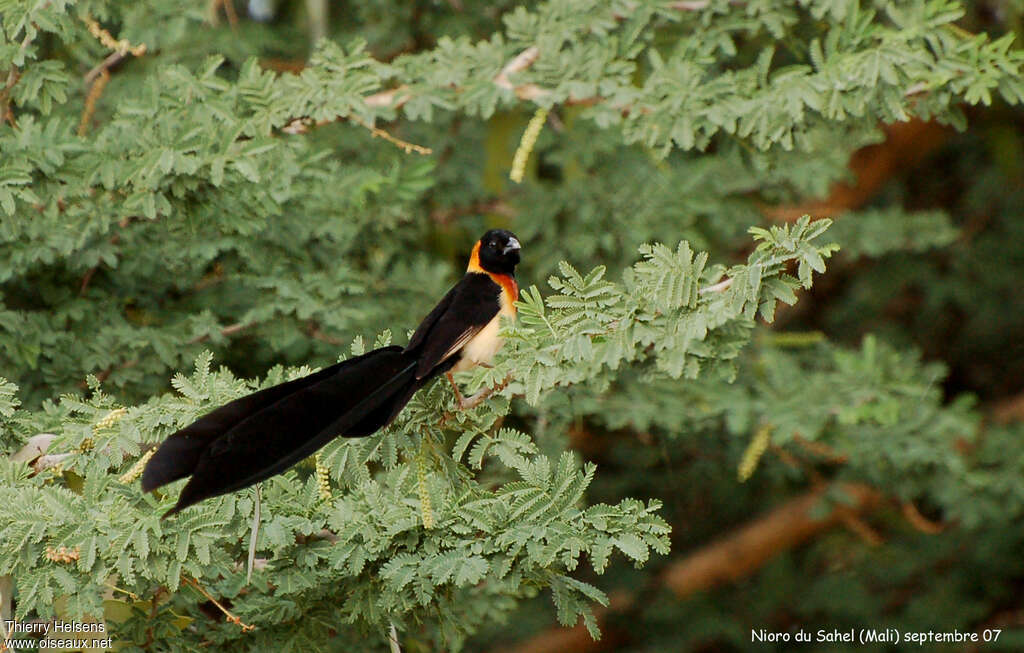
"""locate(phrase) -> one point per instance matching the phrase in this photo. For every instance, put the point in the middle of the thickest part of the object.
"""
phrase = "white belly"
(482, 347)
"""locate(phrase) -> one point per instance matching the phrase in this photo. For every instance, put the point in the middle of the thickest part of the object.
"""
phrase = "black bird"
(262, 434)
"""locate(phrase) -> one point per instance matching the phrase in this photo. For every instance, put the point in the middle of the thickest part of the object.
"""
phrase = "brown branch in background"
(95, 91)
(229, 11)
(821, 450)
(445, 215)
(919, 521)
(906, 144)
(86, 278)
(231, 329)
(748, 548)
(576, 639)
(317, 333)
(1009, 410)
(102, 375)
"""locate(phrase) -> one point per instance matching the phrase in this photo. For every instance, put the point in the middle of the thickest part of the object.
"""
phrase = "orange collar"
(506, 281)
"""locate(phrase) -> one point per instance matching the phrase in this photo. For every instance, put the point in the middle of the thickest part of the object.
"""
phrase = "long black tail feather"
(263, 434)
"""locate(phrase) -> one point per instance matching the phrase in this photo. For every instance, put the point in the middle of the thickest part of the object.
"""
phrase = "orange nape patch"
(474, 259)
(509, 287)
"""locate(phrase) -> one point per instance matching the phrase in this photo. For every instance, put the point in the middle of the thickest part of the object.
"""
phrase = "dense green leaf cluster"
(199, 205)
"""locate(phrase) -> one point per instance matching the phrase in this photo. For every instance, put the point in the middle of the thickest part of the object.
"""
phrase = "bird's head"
(498, 251)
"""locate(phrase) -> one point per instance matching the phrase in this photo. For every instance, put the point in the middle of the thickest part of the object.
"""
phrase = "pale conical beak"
(512, 246)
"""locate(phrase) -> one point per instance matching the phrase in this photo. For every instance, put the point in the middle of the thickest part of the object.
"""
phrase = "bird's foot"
(459, 399)
(480, 396)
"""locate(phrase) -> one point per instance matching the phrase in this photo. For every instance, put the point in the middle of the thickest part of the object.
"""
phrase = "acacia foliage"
(206, 208)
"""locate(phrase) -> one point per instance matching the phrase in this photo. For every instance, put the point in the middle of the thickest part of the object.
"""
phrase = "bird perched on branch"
(262, 434)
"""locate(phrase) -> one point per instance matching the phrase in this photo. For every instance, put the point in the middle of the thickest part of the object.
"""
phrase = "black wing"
(467, 308)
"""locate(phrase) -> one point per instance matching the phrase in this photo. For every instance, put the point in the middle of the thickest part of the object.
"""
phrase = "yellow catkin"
(109, 42)
(62, 554)
(323, 479)
(136, 470)
(95, 91)
(109, 419)
(526, 144)
(758, 445)
(426, 510)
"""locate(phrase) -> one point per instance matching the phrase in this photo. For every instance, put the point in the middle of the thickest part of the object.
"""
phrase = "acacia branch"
(398, 96)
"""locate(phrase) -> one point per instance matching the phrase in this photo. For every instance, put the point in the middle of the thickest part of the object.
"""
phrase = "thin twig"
(255, 534)
(518, 64)
(718, 287)
(133, 595)
(227, 614)
(393, 639)
(109, 62)
(406, 146)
